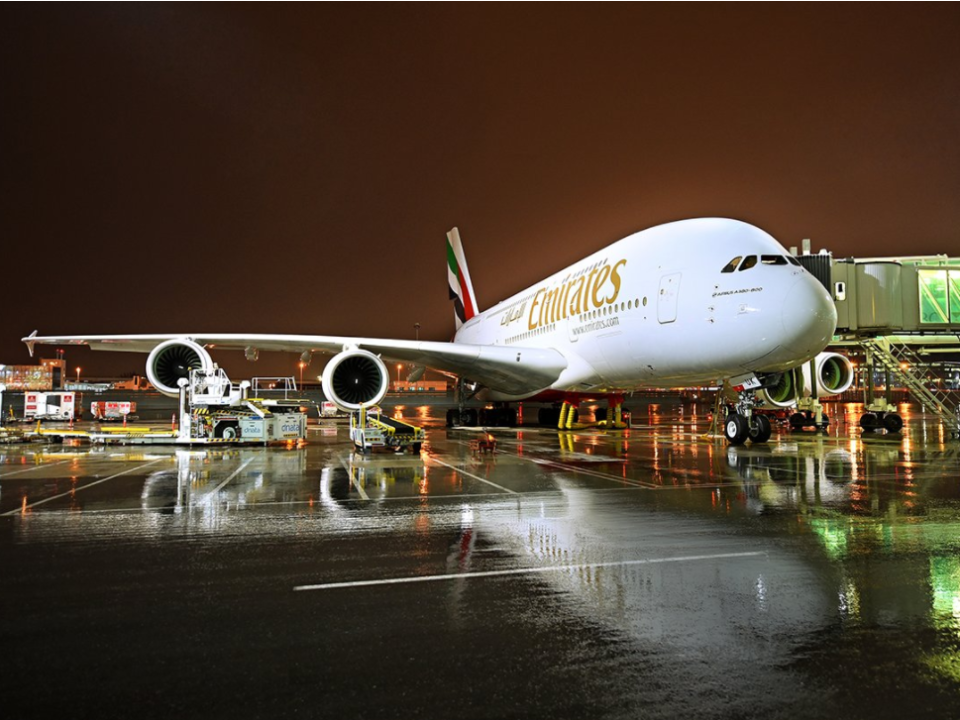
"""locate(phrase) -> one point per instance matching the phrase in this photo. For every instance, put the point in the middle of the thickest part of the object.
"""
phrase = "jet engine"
(355, 377)
(834, 376)
(174, 359)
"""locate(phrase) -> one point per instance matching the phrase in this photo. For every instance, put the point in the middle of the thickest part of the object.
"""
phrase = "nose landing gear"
(743, 422)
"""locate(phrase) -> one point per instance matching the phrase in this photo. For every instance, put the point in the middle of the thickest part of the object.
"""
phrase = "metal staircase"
(927, 386)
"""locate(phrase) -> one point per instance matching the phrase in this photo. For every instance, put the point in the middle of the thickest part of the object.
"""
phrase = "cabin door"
(667, 299)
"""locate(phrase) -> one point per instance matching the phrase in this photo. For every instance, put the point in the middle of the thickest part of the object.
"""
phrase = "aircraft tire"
(869, 421)
(893, 422)
(760, 428)
(736, 429)
(798, 421)
(469, 417)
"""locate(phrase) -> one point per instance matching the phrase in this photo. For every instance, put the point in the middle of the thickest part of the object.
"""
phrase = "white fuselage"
(657, 309)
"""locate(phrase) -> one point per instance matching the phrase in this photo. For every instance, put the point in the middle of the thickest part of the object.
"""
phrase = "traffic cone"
(124, 419)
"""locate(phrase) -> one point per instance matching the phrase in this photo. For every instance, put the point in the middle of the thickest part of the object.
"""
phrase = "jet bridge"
(892, 308)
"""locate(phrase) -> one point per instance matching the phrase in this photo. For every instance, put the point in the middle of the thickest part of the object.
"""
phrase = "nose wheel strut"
(742, 423)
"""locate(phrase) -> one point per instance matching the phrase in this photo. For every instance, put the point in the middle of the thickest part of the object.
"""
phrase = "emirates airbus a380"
(688, 303)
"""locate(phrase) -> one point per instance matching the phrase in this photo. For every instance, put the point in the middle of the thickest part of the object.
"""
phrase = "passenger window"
(773, 260)
(748, 263)
(732, 265)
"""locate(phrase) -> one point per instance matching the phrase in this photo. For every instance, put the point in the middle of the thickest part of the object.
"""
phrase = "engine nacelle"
(784, 393)
(174, 359)
(354, 378)
(834, 376)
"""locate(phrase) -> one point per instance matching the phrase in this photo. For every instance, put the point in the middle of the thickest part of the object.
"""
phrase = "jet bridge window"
(773, 260)
(732, 265)
(748, 262)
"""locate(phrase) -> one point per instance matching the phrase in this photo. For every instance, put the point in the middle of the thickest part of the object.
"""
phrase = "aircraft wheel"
(453, 417)
(469, 417)
(893, 422)
(736, 429)
(798, 421)
(824, 421)
(760, 428)
(869, 421)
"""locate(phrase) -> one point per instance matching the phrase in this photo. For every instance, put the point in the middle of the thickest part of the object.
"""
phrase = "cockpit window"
(748, 263)
(792, 260)
(773, 260)
(732, 265)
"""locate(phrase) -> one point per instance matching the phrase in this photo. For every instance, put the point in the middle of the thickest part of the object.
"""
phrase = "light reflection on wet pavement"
(645, 573)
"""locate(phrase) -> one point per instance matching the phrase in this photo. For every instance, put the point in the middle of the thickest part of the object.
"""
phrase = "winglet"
(461, 289)
(30, 342)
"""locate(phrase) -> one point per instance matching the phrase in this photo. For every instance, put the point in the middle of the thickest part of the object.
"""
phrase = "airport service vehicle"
(137, 382)
(371, 429)
(328, 409)
(689, 303)
(49, 406)
(112, 410)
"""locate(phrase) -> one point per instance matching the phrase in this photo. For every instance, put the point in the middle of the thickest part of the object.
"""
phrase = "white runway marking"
(521, 571)
(475, 477)
(239, 470)
(353, 478)
(82, 487)
(35, 467)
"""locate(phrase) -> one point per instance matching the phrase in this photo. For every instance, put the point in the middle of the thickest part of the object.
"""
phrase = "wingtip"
(29, 341)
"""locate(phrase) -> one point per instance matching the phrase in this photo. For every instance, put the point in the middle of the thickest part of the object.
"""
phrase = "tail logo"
(461, 289)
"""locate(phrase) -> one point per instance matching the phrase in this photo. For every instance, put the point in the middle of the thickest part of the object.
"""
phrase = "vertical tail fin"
(461, 289)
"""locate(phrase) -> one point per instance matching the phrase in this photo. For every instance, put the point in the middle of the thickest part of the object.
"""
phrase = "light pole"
(398, 375)
(302, 365)
(78, 376)
(416, 326)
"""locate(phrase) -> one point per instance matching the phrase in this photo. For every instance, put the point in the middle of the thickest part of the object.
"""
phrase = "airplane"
(686, 303)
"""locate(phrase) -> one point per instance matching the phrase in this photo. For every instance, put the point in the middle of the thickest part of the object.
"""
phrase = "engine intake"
(834, 376)
(174, 359)
(354, 378)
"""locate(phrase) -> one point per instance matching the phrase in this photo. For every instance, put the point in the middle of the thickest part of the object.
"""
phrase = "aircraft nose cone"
(809, 316)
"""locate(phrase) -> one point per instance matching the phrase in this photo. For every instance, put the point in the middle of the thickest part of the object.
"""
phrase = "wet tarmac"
(649, 573)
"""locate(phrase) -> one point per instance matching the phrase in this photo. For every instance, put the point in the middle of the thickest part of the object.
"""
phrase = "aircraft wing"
(510, 370)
